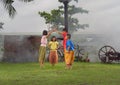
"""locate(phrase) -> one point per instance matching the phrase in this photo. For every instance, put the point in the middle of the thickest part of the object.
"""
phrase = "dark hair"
(45, 32)
(69, 36)
(64, 30)
(53, 37)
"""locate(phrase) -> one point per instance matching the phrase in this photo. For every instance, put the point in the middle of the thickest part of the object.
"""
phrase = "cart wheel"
(105, 53)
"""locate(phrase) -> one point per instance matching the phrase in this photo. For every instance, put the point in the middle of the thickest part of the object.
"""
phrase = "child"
(42, 50)
(64, 34)
(69, 56)
(53, 45)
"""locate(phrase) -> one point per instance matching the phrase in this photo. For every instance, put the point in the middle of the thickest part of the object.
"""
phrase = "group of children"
(53, 45)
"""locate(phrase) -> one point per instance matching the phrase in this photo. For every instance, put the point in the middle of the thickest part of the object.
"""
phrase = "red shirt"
(64, 34)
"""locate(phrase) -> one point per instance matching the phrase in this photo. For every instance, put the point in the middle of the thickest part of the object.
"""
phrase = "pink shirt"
(44, 41)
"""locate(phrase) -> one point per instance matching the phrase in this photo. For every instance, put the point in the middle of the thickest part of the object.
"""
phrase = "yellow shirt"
(53, 45)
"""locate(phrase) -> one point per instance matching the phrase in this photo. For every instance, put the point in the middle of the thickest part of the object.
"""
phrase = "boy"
(69, 54)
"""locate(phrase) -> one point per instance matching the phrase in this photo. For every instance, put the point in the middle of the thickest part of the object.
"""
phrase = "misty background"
(103, 16)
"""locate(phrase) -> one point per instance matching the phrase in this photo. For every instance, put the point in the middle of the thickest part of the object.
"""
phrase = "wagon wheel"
(105, 52)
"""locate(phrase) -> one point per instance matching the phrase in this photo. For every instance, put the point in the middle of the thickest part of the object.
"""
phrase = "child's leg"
(70, 59)
(67, 59)
(51, 58)
(68, 66)
(55, 57)
(42, 53)
(42, 60)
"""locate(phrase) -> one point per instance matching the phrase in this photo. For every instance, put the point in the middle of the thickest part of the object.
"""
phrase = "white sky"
(103, 17)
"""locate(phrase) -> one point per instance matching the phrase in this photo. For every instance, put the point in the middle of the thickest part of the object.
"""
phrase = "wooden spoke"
(110, 49)
(105, 48)
(103, 51)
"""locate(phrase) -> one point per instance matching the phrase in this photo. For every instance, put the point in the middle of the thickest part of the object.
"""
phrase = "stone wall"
(24, 48)
(21, 48)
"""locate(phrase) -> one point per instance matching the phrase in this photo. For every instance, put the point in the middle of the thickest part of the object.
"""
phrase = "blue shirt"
(70, 44)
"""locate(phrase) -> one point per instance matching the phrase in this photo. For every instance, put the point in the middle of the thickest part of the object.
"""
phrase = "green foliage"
(26, 0)
(46, 16)
(76, 0)
(68, 0)
(10, 8)
(56, 18)
(73, 10)
(1, 25)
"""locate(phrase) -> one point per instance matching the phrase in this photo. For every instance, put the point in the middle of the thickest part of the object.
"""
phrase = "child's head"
(45, 32)
(64, 29)
(68, 36)
(53, 38)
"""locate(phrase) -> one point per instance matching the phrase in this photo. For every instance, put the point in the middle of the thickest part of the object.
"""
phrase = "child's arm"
(68, 48)
(49, 33)
(59, 32)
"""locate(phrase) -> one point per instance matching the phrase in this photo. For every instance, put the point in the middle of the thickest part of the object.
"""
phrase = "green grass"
(81, 74)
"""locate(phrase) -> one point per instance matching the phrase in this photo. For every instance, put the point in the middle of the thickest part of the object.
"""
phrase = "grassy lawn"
(81, 74)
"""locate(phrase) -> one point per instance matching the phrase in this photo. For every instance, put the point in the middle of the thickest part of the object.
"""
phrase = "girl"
(69, 56)
(42, 50)
(53, 45)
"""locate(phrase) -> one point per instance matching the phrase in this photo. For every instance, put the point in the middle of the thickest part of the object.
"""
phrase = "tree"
(56, 18)
(10, 8)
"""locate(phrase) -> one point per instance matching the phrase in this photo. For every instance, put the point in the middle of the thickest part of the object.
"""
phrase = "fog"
(103, 16)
